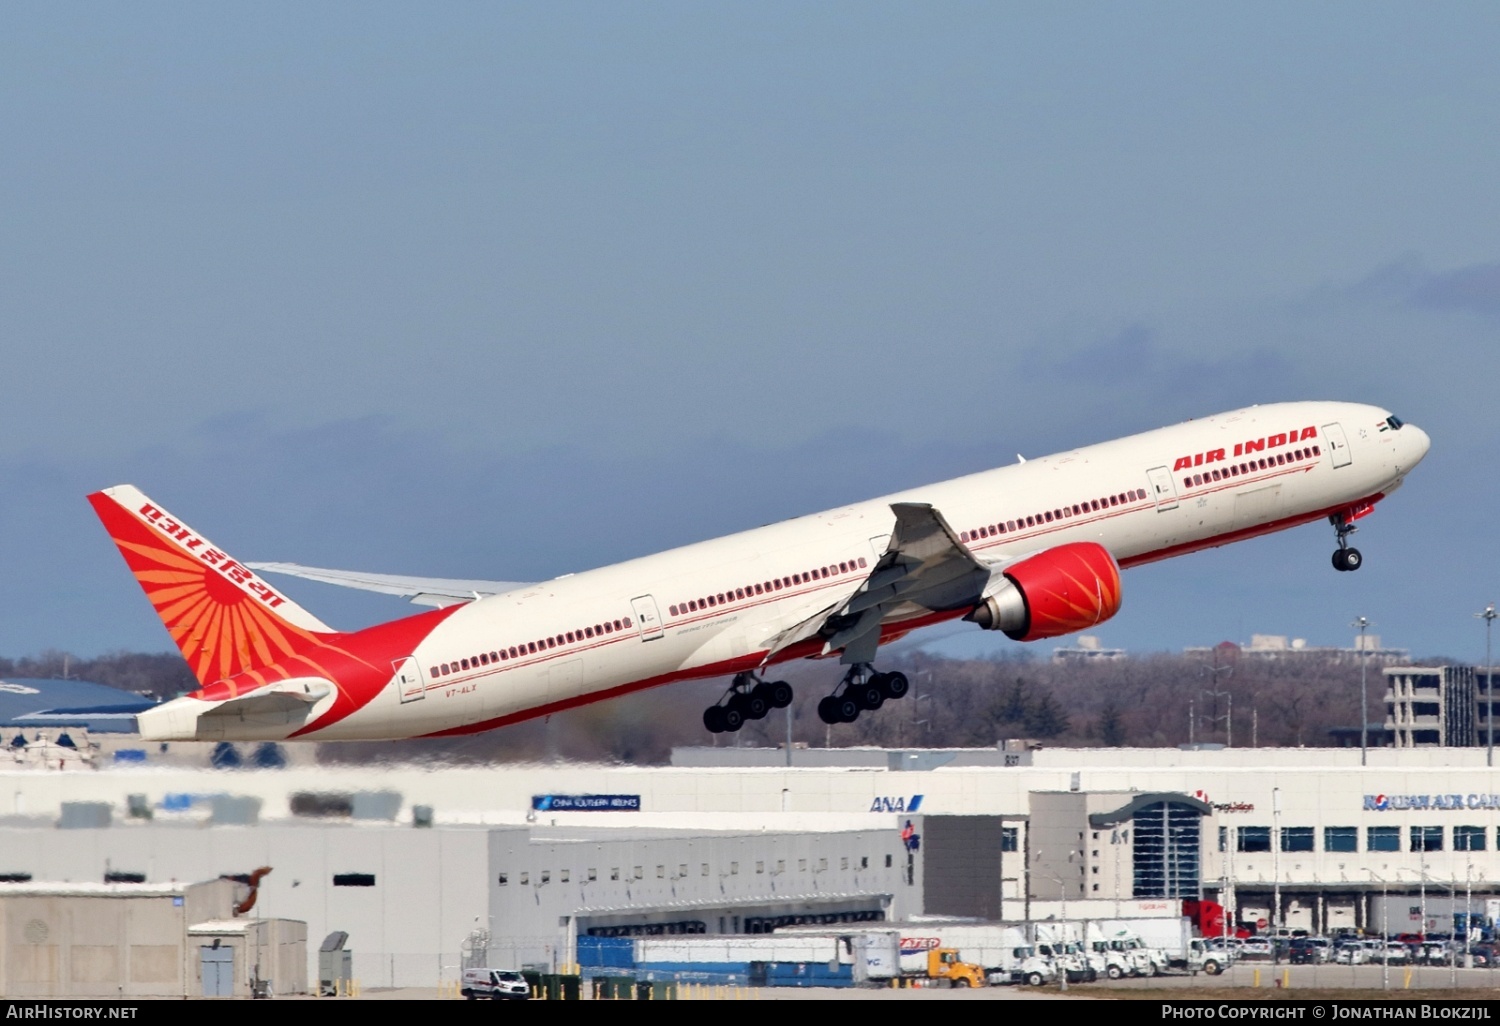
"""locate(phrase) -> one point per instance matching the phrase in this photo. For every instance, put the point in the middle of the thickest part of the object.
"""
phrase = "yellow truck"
(944, 964)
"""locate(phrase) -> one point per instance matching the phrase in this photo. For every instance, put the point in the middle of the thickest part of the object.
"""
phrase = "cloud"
(1475, 288)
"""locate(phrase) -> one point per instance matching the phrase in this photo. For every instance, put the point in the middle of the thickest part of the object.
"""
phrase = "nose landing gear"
(1345, 557)
(748, 698)
(862, 689)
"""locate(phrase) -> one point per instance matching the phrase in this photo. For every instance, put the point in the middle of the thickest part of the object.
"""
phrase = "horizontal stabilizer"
(422, 591)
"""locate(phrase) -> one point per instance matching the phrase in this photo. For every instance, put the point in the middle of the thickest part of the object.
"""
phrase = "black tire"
(1353, 560)
(1035, 980)
(713, 719)
(734, 717)
(895, 685)
(828, 710)
(1338, 559)
(468, 995)
(960, 982)
(754, 705)
(867, 696)
(1114, 972)
(1212, 968)
(778, 693)
(848, 708)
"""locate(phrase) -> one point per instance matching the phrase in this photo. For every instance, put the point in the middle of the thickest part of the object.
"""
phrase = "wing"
(422, 591)
(925, 568)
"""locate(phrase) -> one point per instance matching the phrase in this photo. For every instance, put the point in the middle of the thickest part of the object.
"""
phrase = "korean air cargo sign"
(586, 802)
(1451, 802)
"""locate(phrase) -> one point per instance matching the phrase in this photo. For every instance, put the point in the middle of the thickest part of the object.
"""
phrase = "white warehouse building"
(426, 868)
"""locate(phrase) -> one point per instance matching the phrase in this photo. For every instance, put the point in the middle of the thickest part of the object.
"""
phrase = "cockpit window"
(1393, 422)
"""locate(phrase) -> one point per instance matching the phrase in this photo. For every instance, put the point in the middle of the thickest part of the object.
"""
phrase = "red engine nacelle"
(1066, 589)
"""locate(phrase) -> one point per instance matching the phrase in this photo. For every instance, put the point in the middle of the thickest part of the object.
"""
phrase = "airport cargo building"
(430, 869)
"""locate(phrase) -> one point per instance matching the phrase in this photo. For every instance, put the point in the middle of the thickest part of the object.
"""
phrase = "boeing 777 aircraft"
(1033, 550)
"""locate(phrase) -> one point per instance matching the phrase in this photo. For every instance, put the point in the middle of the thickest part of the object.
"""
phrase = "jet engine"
(1069, 588)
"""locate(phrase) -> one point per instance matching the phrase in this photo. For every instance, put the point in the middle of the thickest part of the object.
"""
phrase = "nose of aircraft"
(1414, 445)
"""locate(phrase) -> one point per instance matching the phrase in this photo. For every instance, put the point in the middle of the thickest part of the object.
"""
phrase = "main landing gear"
(1346, 556)
(748, 698)
(861, 689)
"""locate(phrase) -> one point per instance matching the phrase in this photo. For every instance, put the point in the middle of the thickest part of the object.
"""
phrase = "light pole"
(1276, 873)
(1488, 616)
(1364, 692)
(1214, 672)
(1385, 932)
(1228, 715)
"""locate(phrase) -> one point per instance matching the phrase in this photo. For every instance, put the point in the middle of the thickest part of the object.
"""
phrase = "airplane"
(1033, 550)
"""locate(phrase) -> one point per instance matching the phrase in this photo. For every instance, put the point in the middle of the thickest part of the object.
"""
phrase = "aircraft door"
(409, 683)
(1338, 445)
(1162, 488)
(647, 617)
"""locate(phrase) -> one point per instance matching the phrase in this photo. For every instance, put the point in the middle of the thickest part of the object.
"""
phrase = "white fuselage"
(694, 611)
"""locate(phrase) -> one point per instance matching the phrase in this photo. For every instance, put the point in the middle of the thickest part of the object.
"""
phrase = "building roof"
(28, 702)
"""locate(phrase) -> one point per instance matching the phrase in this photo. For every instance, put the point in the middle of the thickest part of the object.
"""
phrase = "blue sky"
(501, 290)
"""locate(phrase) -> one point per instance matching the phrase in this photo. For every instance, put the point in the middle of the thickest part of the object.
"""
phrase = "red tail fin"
(222, 616)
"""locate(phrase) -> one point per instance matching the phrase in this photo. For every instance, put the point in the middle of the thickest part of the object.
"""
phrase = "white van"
(495, 984)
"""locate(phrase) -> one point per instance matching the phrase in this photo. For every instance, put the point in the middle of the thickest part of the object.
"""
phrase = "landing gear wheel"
(1338, 559)
(828, 710)
(895, 685)
(778, 693)
(867, 696)
(1352, 559)
(734, 717)
(713, 719)
(848, 709)
(753, 706)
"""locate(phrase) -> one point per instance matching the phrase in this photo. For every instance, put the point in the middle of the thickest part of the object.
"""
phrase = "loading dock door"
(218, 970)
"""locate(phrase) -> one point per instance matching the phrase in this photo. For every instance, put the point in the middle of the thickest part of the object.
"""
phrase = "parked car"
(1302, 952)
(495, 984)
(1256, 949)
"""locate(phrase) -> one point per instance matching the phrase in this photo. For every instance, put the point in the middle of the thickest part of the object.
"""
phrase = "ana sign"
(896, 804)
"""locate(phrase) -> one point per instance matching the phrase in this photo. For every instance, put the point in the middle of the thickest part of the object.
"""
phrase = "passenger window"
(465, 664)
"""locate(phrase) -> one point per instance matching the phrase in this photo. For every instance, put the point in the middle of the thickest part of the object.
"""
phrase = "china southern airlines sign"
(586, 802)
(1453, 802)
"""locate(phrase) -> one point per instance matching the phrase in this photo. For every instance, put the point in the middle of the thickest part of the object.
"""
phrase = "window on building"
(1296, 838)
(1253, 839)
(546, 876)
(760, 867)
(1426, 838)
(1341, 838)
(593, 875)
(864, 862)
(1223, 838)
(504, 879)
(614, 873)
(354, 880)
(525, 879)
(1468, 838)
(1009, 838)
(734, 869)
(1385, 838)
(564, 875)
(638, 873)
(887, 862)
(801, 865)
